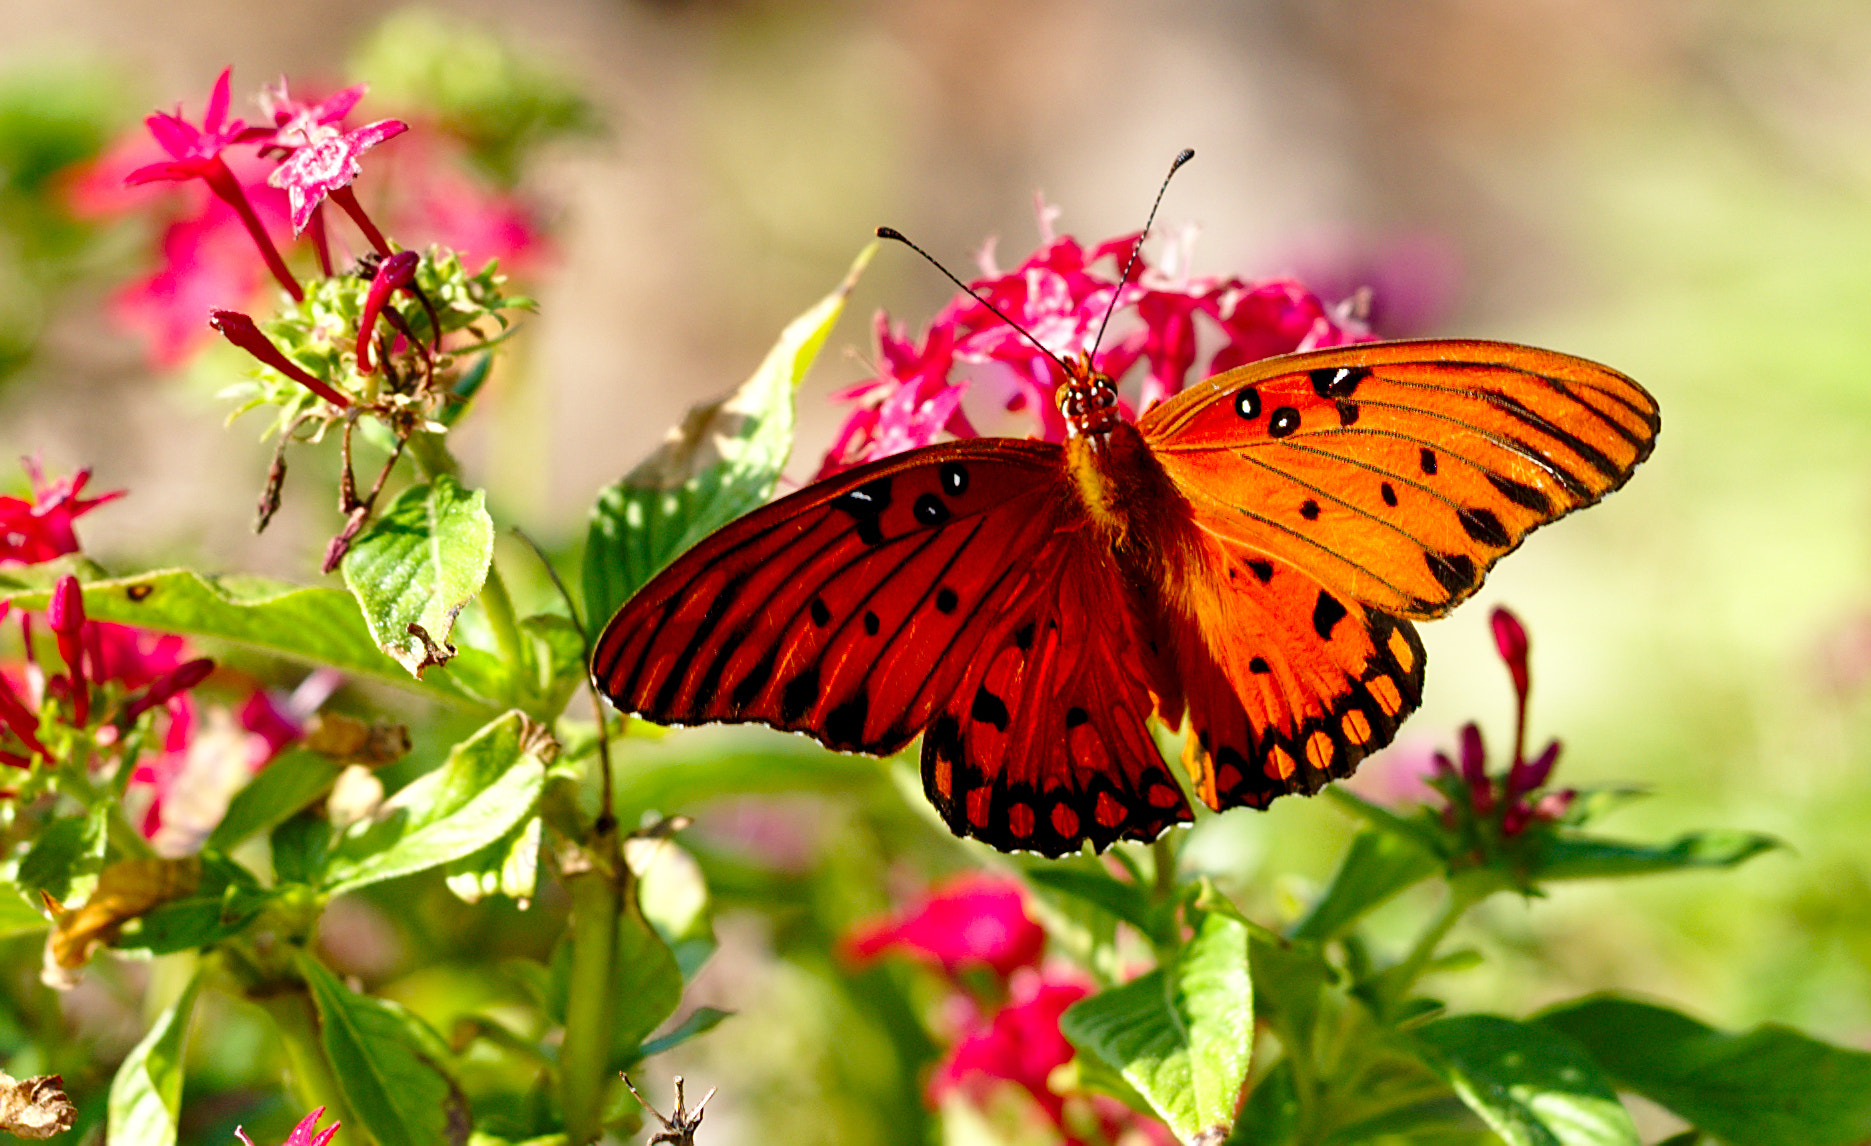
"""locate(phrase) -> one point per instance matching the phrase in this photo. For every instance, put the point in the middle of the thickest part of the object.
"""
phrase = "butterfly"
(1246, 558)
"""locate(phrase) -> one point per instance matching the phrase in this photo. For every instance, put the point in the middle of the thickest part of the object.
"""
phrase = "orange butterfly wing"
(1341, 490)
(950, 589)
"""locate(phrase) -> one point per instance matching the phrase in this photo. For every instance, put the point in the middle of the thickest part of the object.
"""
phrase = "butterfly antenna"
(1182, 157)
(893, 233)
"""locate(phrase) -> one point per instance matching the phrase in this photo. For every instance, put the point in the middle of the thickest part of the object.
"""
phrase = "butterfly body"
(1243, 559)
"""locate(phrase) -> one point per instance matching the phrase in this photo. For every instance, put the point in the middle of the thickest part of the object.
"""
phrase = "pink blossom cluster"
(1004, 1038)
(108, 676)
(1060, 296)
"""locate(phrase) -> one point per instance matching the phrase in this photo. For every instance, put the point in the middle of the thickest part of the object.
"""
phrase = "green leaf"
(1572, 855)
(721, 462)
(1377, 866)
(72, 847)
(1180, 1035)
(559, 650)
(314, 626)
(1101, 889)
(700, 1021)
(509, 866)
(490, 783)
(673, 895)
(17, 914)
(1532, 1085)
(146, 1094)
(301, 845)
(386, 1068)
(285, 786)
(224, 901)
(420, 562)
(1771, 1086)
(649, 984)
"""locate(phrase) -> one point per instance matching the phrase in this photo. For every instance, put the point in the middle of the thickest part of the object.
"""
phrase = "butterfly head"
(1088, 399)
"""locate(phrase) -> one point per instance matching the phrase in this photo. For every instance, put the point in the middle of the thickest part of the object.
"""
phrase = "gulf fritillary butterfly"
(1249, 553)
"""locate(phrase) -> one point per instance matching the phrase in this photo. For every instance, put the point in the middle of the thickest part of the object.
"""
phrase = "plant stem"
(505, 623)
(313, 1083)
(1461, 898)
(598, 900)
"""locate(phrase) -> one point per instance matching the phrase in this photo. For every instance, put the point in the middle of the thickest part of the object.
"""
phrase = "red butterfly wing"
(1396, 473)
(931, 590)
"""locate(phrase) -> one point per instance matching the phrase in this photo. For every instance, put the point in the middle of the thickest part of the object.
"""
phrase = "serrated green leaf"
(301, 845)
(1181, 1034)
(146, 1093)
(1574, 856)
(721, 462)
(1532, 1085)
(277, 794)
(420, 562)
(314, 626)
(490, 782)
(1771, 1086)
(389, 1075)
(1376, 867)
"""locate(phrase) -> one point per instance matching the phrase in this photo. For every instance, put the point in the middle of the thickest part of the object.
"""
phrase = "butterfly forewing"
(846, 610)
(1397, 473)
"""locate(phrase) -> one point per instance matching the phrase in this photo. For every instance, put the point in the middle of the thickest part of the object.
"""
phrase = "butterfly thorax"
(1126, 494)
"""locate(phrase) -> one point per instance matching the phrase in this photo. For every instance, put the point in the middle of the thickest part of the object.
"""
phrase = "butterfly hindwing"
(1288, 684)
(1397, 473)
(1044, 745)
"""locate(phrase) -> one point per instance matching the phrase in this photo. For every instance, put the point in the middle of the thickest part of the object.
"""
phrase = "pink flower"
(39, 529)
(974, 921)
(1019, 1048)
(302, 1134)
(324, 161)
(1061, 296)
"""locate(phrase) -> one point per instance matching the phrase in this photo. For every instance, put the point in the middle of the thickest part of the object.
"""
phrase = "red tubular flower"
(166, 687)
(240, 330)
(37, 530)
(1021, 1045)
(18, 719)
(1475, 770)
(976, 920)
(195, 153)
(64, 615)
(394, 274)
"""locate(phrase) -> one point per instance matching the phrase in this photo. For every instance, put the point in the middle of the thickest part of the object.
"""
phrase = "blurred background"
(1681, 190)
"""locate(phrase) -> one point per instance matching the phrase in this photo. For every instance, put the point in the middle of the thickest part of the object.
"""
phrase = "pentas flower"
(302, 1134)
(321, 161)
(37, 529)
(1019, 1047)
(973, 921)
(1060, 296)
(195, 153)
(1479, 805)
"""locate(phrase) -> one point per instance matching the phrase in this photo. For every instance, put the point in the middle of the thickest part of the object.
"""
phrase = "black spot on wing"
(1427, 460)
(1390, 494)
(799, 695)
(1483, 526)
(1259, 665)
(929, 510)
(871, 623)
(1337, 381)
(1262, 569)
(844, 725)
(1075, 716)
(821, 614)
(1309, 509)
(1327, 611)
(1023, 637)
(989, 709)
(865, 505)
(1455, 572)
(1283, 422)
(954, 477)
(946, 600)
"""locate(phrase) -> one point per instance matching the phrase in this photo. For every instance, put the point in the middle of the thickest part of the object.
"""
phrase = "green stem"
(1163, 853)
(313, 1083)
(431, 454)
(598, 900)
(1461, 898)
